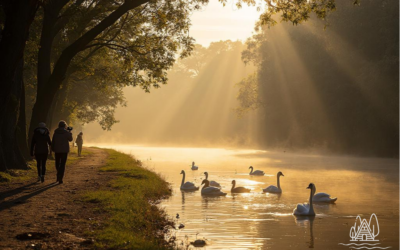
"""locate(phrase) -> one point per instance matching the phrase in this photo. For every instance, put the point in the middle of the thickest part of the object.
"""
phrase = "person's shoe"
(60, 182)
(42, 178)
(39, 178)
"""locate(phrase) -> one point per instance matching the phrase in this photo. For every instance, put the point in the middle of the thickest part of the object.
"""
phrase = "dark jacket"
(40, 141)
(61, 139)
(79, 140)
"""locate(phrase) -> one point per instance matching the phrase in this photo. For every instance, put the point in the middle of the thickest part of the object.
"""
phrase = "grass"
(17, 175)
(135, 221)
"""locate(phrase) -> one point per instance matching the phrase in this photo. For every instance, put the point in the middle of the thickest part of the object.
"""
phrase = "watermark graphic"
(365, 231)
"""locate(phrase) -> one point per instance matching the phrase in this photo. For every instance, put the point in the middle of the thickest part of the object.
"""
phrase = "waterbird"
(324, 198)
(257, 172)
(194, 167)
(210, 191)
(272, 188)
(306, 209)
(239, 189)
(187, 186)
(177, 216)
(212, 183)
(181, 226)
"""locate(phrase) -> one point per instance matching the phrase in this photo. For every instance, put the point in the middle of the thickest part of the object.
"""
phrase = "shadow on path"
(20, 200)
(8, 193)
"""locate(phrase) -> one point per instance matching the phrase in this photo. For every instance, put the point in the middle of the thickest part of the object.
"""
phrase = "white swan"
(210, 191)
(194, 167)
(324, 198)
(306, 209)
(239, 189)
(257, 172)
(212, 183)
(272, 188)
(187, 186)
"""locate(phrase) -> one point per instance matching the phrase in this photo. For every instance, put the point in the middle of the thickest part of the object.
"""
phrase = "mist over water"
(265, 221)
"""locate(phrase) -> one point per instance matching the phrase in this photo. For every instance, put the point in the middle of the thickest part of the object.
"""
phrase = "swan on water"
(194, 167)
(239, 189)
(210, 191)
(257, 172)
(306, 209)
(212, 183)
(188, 186)
(272, 188)
(324, 198)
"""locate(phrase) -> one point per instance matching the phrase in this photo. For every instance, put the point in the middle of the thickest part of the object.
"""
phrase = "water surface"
(265, 221)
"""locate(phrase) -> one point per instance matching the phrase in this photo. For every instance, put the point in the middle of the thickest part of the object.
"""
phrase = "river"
(264, 221)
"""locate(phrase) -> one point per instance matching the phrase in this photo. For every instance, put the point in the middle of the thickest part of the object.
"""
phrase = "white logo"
(365, 231)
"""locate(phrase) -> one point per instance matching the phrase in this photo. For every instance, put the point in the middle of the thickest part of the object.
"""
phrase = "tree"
(19, 15)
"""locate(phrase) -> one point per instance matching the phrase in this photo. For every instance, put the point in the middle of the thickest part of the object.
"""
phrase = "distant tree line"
(336, 90)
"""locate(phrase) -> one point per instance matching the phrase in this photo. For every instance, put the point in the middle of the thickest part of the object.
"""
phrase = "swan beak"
(282, 175)
(307, 187)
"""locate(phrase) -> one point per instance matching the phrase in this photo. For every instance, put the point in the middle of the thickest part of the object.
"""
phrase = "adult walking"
(40, 148)
(60, 146)
(79, 143)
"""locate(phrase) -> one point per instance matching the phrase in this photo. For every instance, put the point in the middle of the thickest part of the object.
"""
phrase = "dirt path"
(52, 216)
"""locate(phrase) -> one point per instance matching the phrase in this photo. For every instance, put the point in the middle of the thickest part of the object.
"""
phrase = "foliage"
(336, 89)
(136, 222)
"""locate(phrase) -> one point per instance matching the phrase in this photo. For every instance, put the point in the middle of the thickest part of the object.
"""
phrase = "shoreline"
(108, 200)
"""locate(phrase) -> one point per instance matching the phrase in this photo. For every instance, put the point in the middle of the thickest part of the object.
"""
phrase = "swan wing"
(258, 172)
(188, 184)
(272, 189)
(214, 184)
(301, 209)
(323, 197)
(241, 190)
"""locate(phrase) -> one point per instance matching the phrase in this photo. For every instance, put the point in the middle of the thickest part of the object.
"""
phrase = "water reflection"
(306, 221)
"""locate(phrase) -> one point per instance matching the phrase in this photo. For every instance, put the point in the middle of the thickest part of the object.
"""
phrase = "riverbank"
(108, 200)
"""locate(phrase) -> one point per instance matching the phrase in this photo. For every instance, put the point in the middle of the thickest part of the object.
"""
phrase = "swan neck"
(251, 171)
(278, 181)
(206, 176)
(233, 185)
(183, 179)
(311, 198)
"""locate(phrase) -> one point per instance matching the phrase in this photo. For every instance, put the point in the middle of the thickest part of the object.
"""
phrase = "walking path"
(47, 215)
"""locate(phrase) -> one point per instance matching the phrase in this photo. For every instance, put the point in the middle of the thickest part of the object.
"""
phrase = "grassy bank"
(134, 221)
(18, 175)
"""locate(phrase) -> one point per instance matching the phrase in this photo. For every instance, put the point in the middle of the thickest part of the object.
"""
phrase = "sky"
(216, 22)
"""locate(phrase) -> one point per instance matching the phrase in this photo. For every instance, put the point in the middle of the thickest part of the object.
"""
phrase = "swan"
(212, 183)
(211, 191)
(257, 172)
(194, 167)
(306, 209)
(239, 189)
(272, 188)
(324, 197)
(188, 186)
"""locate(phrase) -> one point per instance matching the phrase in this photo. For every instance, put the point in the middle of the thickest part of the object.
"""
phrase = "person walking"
(79, 143)
(60, 146)
(40, 148)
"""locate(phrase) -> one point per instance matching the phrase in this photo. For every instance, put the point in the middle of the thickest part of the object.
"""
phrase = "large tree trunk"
(12, 153)
(46, 96)
(22, 139)
(19, 15)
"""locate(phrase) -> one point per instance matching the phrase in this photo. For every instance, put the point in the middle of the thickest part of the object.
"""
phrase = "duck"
(194, 167)
(212, 183)
(257, 172)
(324, 198)
(187, 186)
(306, 209)
(239, 189)
(274, 189)
(210, 191)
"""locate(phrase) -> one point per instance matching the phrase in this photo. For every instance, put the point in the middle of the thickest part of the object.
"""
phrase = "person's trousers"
(41, 160)
(79, 149)
(61, 160)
